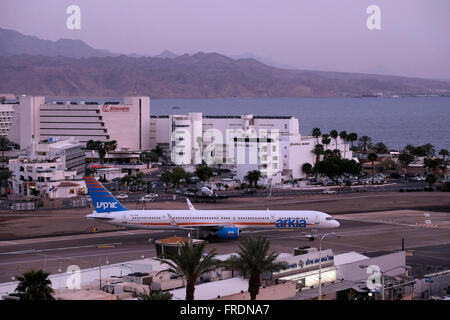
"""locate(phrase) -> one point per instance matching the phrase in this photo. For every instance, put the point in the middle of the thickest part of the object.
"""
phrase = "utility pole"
(320, 260)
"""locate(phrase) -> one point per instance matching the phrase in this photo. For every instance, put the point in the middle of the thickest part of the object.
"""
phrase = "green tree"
(328, 154)
(316, 133)
(252, 177)
(334, 168)
(4, 176)
(365, 142)
(253, 260)
(326, 140)
(387, 165)
(444, 153)
(93, 146)
(35, 285)
(158, 150)
(372, 157)
(127, 179)
(307, 169)
(154, 295)
(430, 151)
(336, 153)
(149, 156)
(179, 175)
(4, 144)
(334, 134)
(380, 148)
(318, 151)
(432, 164)
(405, 159)
(352, 137)
(110, 146)
(419, 151)
(431, 179)
(190, 264)
(343, 136)
(203, 172)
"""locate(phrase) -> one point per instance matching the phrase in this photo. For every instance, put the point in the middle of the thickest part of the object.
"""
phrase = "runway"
(426, 245)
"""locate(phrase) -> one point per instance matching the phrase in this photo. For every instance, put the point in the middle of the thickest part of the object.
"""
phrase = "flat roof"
(348, 257)
(177, 240)
(230, 117)
(211, 290)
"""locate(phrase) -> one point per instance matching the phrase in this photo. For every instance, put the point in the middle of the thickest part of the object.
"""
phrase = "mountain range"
(29, 65)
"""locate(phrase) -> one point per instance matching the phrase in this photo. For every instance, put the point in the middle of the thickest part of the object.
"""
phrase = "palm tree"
(307, 169)
(352, 137)
(110, 146)
(93, 146)
(343, 136)
(326, 140)
(149, 156)
(334, 134)
(4, 144)
(316, 134)
(380, 148)
(365, 143)
(4, 176)
(158, 150)
(444, 153)
(336, 153)
(154, 295)
(254, 259)
(35, 285)
(405, 159)
(318, 151)
(372, 158)
(429, 149)
(252, 177)
(190, 264)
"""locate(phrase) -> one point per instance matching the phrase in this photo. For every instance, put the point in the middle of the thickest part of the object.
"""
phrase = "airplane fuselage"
(193, 219)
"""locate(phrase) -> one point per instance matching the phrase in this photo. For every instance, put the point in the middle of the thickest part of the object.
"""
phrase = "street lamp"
(383, 273)
(332, 234)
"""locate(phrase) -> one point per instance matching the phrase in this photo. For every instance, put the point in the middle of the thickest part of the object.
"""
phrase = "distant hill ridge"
(29, 65)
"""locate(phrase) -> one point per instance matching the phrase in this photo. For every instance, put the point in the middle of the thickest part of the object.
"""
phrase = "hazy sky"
(414, 39)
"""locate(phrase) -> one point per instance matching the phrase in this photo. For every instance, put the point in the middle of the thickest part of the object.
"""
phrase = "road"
(91, 250)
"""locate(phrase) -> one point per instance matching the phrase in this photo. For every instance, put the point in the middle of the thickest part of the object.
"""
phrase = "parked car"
(121, 196)
(149, 197)
(249, 191)
(326, 191)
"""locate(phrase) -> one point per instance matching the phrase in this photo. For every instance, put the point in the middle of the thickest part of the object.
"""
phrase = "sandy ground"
(19, 225)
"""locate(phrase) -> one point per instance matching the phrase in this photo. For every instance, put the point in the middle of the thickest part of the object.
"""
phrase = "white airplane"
(225, 224)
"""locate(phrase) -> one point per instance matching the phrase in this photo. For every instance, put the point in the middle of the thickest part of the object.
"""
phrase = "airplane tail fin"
(102, 199)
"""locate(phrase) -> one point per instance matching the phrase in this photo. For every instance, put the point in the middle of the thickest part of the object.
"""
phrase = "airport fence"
(36, 204)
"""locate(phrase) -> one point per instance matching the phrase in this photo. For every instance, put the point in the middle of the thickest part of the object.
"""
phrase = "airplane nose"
(336, 224)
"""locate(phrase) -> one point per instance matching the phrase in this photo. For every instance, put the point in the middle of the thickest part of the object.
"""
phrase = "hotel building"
(239, 141)
(127, 123)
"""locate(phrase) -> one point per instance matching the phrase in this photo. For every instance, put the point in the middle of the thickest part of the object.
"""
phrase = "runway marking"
(100, 247)
(7, 242)
(35, 251)
(76, 257)
(380, 221)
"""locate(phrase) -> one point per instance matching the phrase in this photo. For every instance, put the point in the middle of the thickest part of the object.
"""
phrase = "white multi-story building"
(6, 115)
(127, 123)
(271, 144)
(43, 166)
